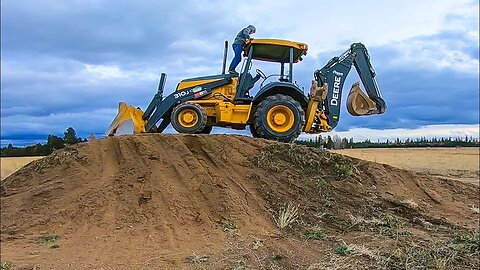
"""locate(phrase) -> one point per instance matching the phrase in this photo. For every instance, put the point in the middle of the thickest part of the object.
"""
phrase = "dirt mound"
(218, 202)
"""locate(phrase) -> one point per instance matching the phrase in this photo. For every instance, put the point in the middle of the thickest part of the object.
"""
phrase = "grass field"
(10, 165)
(457, 163)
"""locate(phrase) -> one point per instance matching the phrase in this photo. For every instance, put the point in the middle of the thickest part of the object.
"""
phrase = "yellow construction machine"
(278, 111)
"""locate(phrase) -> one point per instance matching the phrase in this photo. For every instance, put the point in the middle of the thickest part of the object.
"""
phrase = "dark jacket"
(243, 35)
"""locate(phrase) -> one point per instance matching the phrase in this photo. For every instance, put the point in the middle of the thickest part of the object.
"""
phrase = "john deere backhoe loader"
(279, 110)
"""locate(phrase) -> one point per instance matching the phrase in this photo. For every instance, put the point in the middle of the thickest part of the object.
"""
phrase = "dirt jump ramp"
(157, 201)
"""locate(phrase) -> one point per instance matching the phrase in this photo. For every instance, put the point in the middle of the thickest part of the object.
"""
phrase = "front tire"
(279, 117)
(189, 118)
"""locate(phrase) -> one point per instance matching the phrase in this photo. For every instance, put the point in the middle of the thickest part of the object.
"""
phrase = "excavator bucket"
(360, 104)
(128, 121)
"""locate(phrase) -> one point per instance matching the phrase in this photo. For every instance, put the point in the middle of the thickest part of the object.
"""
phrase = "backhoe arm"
(332, 77)
(367, 75)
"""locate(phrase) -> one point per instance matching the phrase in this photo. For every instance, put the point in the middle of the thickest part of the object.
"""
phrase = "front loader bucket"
(360, 104)
(127, 116)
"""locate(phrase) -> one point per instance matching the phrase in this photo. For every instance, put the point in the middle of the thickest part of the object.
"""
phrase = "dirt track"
(210, 202)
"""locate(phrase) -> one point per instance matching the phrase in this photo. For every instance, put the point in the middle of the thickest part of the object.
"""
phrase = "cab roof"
(276, 50)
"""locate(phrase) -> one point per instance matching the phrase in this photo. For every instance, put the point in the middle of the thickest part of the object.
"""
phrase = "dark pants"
(237, 48)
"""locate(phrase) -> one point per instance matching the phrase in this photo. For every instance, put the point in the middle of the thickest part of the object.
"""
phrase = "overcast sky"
(69, 63)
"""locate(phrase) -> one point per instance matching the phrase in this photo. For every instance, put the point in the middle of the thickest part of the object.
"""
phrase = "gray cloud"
(108, 32)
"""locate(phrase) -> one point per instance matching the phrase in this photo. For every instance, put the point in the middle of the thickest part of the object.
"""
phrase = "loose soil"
(157, 201)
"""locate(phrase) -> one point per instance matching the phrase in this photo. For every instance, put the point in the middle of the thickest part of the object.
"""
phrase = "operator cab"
(269, 50)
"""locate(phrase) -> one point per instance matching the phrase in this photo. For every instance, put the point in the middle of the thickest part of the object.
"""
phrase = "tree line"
(53, 143)
(336, 142)
(330, 142)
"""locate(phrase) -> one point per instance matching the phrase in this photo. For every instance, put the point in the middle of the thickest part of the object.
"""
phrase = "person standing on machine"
(238, 45)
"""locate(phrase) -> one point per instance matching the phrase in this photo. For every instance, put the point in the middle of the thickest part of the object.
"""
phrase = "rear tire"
(279, 117)
(253, 131)
(206, 130)
(189, 118)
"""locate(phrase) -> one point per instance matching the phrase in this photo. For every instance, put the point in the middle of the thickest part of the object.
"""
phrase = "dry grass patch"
(287, 215)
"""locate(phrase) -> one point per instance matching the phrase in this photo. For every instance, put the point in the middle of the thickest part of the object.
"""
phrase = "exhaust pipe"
(224, 57)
